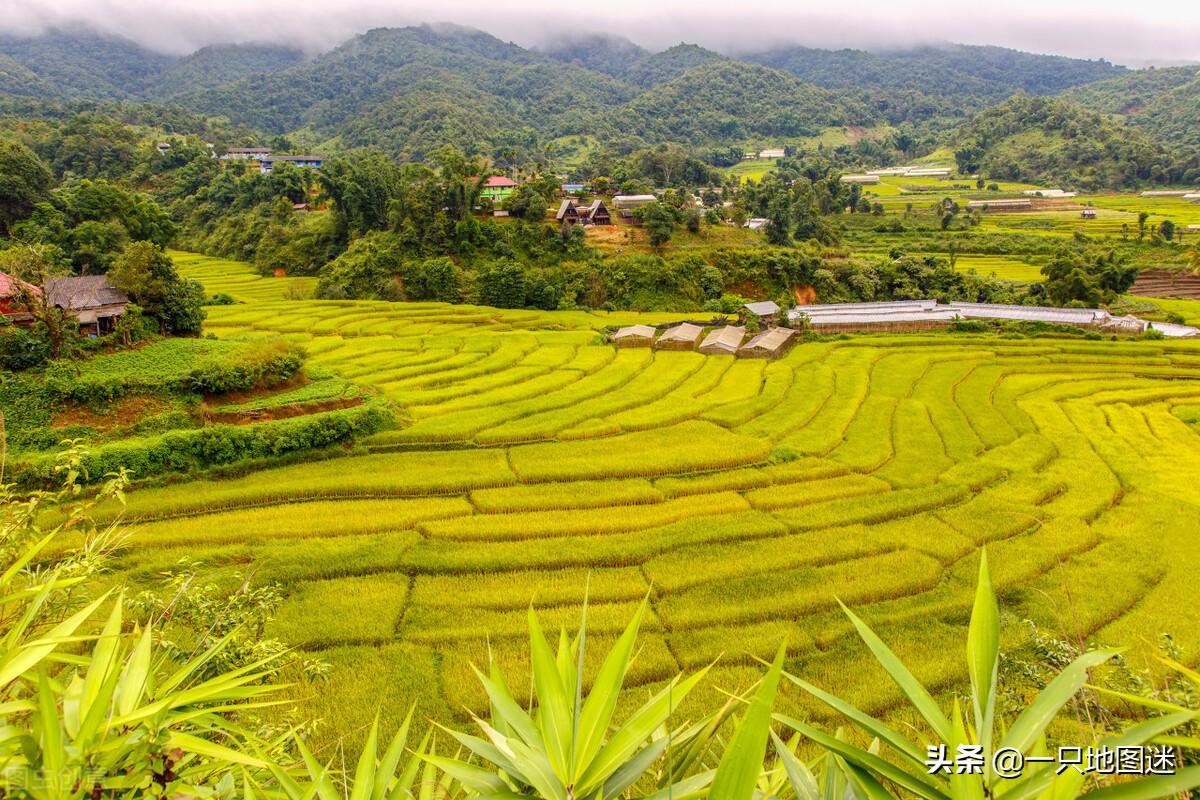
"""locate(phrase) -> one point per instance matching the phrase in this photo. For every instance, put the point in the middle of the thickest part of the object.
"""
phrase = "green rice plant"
(804, 400)
(615, 550)
(676, 406)
(566, 495)
(778, 378)
(440, 418)
(979, 724)
(586, 522)
(689, 447)
(341, 610)
(985, 518)
(793, 593)
(873, 508)
(518, 590)
(795, 495)
(706, 483)
(920, 452)
(667, 372)
(828, 427)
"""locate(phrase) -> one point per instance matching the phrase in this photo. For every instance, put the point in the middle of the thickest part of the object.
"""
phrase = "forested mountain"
(1052, 141)
(412, 90)
(971, 73)
(76, 64)
(612, 55)
(217, 65)
(1163, 102)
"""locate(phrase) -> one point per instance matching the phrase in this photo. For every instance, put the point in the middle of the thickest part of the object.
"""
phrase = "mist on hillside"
(1068, 27)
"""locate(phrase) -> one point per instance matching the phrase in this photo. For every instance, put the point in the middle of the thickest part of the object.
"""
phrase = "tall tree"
(24, 182)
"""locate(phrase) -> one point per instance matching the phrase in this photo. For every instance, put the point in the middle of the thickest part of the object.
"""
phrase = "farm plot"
(542, 467)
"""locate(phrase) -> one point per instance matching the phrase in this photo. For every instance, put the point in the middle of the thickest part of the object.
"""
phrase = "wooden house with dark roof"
(94, 302)
(595, 214)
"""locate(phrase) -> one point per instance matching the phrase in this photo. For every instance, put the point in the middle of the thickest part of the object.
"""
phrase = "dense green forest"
(1162, 102)
(411, 90)
(1046, 140)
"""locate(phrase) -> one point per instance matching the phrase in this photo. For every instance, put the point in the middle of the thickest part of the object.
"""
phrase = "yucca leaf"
(1151, 788)
(506, 710)
(1033, 721)
(690, 788)
(909, 685)
(628, 739)
(474, 778)
(802, 781)
(364, 771)
(865, 721)
(869, 788)
(742, 762)
(920, 785)
(390, 762)
(22, 659)
(983, 653)
(634, 768)
(134, 677)
(601, 703)
(195, 744)
(554, 704)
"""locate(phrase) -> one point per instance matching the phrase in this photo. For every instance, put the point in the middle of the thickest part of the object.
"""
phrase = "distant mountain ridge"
(410, 90)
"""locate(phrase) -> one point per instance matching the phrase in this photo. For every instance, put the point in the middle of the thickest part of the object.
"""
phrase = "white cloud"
(1121, 32)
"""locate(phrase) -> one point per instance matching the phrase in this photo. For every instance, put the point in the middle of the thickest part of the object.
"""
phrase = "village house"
(94, 302)
(570, 211)
(265, 163)
(12, 295)
(498, 188)
(245, 153)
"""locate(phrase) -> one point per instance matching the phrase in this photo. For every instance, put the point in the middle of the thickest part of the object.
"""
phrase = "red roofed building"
(498, 187)
(10, 298)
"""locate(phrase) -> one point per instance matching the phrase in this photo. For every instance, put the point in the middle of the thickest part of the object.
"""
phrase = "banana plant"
(905, 768)
(110, 725)
(567, 746)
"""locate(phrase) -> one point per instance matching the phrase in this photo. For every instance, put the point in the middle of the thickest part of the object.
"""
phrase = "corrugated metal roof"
(727, 339)
(684, 332)
(83, 291)
(763, 308)
(771, 340)
(636, 331)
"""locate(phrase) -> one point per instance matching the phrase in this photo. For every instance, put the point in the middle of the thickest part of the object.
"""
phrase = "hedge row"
(261, 365)
(216, 445)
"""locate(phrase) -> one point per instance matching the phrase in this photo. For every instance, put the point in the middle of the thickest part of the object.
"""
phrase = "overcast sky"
(1126, 32)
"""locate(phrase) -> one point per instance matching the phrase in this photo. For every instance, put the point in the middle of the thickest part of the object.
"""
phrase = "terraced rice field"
(742, 497)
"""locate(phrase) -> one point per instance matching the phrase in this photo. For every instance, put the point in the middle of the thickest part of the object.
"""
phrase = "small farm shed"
(757, 223)
(861, 180)
(684, 336)
(765, 311)
(623, 202)
(1016, 204)
(723, 341)
(769, 344)
(94, 302)
(773, 152)
(634, 336)
(1088, 213)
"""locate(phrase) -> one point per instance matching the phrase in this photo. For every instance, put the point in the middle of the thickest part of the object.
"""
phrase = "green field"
(743, 497)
